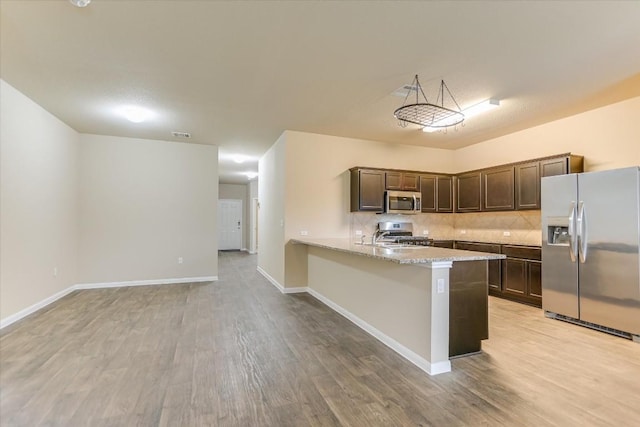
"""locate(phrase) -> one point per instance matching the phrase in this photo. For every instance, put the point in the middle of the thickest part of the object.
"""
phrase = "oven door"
(403, 202)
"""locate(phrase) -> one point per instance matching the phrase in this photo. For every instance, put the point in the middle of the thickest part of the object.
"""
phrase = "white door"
(229, 224)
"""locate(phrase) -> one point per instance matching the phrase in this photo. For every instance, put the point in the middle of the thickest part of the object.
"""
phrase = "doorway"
(229, 224)
(255, 206)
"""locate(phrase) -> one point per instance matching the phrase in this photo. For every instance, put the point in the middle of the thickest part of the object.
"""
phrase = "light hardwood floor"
(238, 353)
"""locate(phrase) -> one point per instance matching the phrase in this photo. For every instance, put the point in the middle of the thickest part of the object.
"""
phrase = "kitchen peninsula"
(426, 303)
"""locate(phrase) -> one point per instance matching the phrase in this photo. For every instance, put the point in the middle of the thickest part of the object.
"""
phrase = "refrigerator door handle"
(573, 240)
(582, 232)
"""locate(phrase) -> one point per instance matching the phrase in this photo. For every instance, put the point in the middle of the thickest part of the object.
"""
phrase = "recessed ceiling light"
(80, 3)
(135, 114)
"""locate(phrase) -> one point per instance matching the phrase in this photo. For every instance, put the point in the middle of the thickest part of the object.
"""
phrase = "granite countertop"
(400, 255)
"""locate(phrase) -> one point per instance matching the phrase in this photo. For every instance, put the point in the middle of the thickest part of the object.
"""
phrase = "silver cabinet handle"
(573, 240)
(582, 232)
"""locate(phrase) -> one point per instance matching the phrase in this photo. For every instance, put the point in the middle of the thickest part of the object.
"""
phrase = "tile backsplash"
(518, 227)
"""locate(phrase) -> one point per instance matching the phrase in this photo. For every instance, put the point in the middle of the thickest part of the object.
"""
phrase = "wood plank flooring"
(238, 353)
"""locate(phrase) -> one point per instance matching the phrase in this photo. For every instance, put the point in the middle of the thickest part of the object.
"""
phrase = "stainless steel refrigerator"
(590, 241)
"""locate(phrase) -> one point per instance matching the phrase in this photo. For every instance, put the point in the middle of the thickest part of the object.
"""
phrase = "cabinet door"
(534, 279)
(497, 189)
(428, 191)
(410, 182)
(367, 190)
(444, 186)
(495, 275)
(553, 167)
(528, 186)
(469, 189)
(393, 180)
(514, 276)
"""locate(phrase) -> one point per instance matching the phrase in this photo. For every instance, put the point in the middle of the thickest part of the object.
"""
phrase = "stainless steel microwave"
(402, 202)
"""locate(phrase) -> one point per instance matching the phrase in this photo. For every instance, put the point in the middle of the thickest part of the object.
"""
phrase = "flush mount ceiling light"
(239, 158)
(135, 114)
(481, 107)
(474, 110)
(426, 113)
(80, 3)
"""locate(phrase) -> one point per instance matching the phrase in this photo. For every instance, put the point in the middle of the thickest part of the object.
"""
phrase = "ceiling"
(236, 74)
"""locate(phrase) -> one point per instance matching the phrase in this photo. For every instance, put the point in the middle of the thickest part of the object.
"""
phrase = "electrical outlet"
(304, 233)
(441, 286)
(179, 260)
(506, 233)
(425, 232)
(55, 271)
(358, 232)
(463, 231)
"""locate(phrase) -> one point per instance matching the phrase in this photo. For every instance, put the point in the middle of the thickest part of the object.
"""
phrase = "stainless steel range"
(399, 232)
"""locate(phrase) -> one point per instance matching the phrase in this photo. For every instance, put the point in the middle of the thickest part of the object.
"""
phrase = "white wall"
(318, 181)
(271, 220)
(238, 192)
(608, 137)
(38, 205)
(143, 204)
(253, 218)
(97, 209)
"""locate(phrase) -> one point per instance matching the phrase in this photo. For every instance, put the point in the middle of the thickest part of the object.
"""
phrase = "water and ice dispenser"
(558, 235)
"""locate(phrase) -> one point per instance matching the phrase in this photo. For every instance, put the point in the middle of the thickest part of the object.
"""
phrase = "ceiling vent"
(181, 134)
(404, 90)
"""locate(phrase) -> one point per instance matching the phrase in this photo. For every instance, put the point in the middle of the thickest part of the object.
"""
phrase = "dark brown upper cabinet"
(498, 189)
(527, 186)
(429, 193)
(561, 165)
(405, 181)
(437, 193)
(444, 187)
(469, 186)
(367, 190)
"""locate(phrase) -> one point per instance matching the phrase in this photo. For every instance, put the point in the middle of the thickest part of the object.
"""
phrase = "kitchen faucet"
(377, 236)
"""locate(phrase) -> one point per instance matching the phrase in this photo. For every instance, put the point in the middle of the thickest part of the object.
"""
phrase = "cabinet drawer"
(524, 252)
(448, 244)
(478, 247)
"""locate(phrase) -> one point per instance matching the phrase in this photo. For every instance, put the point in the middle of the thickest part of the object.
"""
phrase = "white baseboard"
(35, 307)
(146, 282)
(271, 280)
(45, 302)
(295, 290)
(281, 288)
(419, 361)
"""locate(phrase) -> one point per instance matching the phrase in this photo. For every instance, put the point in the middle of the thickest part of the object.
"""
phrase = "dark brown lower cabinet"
(468, 307)
(522, 274)
(448, 244)
(495, 266)
(518, 277)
